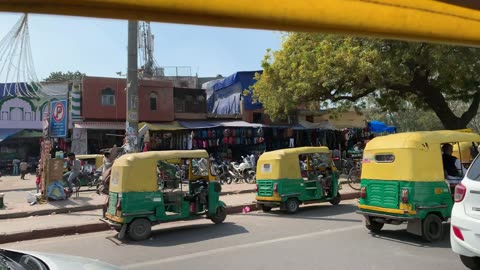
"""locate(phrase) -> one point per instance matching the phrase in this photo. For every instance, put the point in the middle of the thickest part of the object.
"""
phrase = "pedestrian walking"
(23, 169)
(15, 163)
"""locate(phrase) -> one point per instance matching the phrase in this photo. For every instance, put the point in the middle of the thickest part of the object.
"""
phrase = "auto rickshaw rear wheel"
(432, 228)
(336, 200)
(266, 208)
(374, 226)
(140, 229)
(292, 205)
(220, 215)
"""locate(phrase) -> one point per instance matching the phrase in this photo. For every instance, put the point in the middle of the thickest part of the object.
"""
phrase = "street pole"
(132, 88)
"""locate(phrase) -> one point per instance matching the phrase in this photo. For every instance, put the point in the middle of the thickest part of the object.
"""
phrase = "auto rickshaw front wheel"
(140, 229)
(432, 228)
(220, 215)
(336, 200)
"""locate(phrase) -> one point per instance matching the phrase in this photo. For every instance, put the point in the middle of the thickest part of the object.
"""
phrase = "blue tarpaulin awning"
(7, 132)
(380, 127)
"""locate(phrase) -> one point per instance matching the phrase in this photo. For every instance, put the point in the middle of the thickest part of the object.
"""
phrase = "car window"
(474, 171)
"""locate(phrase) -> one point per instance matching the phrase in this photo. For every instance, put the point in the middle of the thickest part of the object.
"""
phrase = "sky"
(98, 47)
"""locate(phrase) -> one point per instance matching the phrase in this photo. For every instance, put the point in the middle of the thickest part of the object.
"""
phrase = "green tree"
(344, 70)
(59, 76)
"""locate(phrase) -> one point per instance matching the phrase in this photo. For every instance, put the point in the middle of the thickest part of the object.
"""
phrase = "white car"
(20, 260)
(465, 222)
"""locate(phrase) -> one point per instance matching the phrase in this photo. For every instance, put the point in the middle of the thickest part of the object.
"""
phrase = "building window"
(108, 97)
(257, 118)
(153, 101)
(4, 115)
(28, 116)
(309, 118)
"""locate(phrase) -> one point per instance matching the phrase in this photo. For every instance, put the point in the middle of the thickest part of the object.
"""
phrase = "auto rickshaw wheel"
(374, 226)
(292, 206)
(432, 228)
(139, 229)
(470, 262)
(266, 208)
(336, 200)
(220, 215)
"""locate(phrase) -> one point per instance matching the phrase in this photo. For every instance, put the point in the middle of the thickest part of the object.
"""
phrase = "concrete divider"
(100, 226)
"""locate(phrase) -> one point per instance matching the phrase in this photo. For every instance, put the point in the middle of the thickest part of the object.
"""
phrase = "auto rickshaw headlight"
(363, 192)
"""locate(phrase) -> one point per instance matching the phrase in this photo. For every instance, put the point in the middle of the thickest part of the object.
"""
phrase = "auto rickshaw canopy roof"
(284, 163)
(411, 156)
(138, 171)
(446, 21)
(420, 139)
(294, 152)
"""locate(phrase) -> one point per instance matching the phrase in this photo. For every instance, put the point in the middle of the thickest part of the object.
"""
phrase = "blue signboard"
(58, 119)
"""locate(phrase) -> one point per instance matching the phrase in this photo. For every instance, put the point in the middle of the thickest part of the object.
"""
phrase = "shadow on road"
(188, 234)
(317, 212)
(404, 237)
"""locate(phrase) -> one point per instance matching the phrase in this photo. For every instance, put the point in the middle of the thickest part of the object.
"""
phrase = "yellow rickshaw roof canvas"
(131, 159)
(282, 153)
(447, 21)
(418, 139)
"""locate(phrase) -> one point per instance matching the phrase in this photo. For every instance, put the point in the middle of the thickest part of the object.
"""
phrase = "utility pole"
(132, 88)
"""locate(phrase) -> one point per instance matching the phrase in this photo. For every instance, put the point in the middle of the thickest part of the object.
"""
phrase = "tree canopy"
(59, 76)
(343, 71)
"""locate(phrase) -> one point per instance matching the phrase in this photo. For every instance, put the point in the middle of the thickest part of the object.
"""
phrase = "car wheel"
(374, 226)
(139, 229)
(266, 208)
(336, 200)
(432, 228)
(292, 206)
(470, 262)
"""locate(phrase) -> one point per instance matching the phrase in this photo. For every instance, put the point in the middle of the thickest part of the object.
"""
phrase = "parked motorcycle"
(224, 174)
(243, 172)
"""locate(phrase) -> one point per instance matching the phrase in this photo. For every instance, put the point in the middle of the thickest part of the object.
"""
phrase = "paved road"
(319, 237)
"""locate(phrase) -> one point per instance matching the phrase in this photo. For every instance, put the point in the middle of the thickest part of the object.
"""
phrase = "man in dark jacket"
(452, 166)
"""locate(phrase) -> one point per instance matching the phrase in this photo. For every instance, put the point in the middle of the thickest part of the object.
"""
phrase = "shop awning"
(167, 126)
(25, 134)
(8, 132)
(239, 124)
(198, 124)
(319, 125)
(101, 125)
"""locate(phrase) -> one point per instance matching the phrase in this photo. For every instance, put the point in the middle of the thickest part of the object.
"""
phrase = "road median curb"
(100, 226)
(47, 212)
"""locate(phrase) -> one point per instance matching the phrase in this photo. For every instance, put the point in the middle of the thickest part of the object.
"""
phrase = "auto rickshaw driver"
(452, 166)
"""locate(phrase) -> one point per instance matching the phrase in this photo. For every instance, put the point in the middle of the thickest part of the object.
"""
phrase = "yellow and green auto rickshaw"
(91, 163)
(289, 177)
(145, 190)
(403, 180)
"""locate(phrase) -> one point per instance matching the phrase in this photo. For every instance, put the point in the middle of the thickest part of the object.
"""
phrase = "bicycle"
(354, 175)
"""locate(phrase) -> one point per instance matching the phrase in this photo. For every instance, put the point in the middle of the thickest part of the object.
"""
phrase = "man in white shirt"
(74, 165)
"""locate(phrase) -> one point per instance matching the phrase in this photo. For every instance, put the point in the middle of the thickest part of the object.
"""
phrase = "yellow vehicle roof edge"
(425, 20)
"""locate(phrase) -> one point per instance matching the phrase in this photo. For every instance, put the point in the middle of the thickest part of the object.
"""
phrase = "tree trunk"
(434, 98)
(436, 101)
